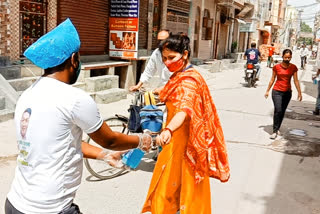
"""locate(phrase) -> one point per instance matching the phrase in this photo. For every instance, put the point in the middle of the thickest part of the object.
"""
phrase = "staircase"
(8, 96)
(5, 114)
(103, 89)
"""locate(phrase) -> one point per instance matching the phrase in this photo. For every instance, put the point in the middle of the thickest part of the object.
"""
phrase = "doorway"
(196, 33)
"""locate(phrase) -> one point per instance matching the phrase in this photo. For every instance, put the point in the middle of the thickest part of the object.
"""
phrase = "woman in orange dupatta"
(193, 142)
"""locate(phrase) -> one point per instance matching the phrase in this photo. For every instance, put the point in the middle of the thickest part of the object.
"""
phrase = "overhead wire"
(305, 6)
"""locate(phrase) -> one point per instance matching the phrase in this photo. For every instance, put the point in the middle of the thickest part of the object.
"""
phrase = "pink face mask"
(175, 65)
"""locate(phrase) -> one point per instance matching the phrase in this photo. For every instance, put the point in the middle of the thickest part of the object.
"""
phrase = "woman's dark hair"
(287, 51)
(177, 42)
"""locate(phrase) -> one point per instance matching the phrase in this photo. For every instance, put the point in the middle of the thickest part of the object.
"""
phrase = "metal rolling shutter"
(91, 18)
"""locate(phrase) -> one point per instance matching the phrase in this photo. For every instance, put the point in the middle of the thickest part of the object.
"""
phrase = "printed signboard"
(248, 27)
(124, 27)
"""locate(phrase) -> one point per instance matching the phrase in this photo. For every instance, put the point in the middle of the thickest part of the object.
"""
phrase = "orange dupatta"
(206, 149)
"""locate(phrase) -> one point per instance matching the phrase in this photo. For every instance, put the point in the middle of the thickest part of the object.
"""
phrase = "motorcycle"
(250, 74)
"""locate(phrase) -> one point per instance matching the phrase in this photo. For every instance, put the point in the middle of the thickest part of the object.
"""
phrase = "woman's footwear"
(273, 136)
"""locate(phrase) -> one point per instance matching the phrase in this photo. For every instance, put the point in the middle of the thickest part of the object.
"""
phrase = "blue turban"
(55, 47)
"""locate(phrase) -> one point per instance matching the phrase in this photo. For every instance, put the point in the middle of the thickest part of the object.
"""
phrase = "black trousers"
(303, 61)
(280, 101)
(10, 209)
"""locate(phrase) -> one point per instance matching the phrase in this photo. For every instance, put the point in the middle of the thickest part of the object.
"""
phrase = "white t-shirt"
(49, 164)
(156, 66)
(304, 52)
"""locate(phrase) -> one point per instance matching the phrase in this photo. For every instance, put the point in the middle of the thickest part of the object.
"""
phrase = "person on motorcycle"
(155, 65)
(303, 55)
(252, 55)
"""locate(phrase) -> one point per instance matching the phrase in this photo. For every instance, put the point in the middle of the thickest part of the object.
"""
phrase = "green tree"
(305, 27)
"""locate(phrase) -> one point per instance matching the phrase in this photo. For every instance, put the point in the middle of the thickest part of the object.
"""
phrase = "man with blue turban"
(51, 150)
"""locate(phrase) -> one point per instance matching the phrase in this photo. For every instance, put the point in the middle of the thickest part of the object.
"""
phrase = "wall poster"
(124, 27)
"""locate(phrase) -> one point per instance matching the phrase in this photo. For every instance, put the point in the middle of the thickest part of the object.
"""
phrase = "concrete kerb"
(2, 103)
(7, 91)
(110, 95)
(100, 83)
(22, 84)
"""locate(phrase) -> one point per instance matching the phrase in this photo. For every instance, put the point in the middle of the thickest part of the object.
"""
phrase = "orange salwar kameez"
(195, 152)
(173, 184)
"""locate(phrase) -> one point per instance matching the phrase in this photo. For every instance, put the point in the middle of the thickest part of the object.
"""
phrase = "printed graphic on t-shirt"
(23, 145)
(24, 150)
(252, 55)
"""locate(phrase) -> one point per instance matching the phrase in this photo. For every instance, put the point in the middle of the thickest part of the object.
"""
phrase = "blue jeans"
(258, 67)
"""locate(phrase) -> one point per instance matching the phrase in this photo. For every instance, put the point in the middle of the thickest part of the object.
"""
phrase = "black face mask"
(76, 74)
(286, 62)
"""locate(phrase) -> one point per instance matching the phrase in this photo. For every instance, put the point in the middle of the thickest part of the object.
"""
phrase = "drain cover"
(298, 132)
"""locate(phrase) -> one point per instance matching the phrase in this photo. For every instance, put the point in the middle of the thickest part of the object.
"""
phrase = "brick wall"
(14, 29)
(10, 26)
(4, 28)
(143, 24)
(51, 15)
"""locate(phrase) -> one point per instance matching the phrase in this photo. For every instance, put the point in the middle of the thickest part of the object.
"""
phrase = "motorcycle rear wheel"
(250, 80)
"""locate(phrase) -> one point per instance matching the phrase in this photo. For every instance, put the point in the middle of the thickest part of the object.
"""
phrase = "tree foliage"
(305, 27)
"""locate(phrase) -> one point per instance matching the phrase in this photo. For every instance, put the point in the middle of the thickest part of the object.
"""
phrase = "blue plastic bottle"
(133, 158)
(315, 81)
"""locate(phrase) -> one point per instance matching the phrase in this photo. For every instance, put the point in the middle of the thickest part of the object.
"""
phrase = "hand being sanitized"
(133, 158)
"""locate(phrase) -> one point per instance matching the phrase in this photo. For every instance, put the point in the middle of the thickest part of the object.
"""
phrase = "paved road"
(267, 177)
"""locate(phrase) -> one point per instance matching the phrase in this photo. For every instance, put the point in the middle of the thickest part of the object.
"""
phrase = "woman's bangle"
(171, 132)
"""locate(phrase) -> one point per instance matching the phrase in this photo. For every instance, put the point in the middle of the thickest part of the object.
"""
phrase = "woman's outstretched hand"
(300, 97)
(163, 138)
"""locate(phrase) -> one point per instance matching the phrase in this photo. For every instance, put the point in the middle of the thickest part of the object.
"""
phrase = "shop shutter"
(91, 20)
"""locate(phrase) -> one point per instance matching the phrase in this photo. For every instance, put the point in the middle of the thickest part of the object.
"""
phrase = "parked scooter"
(276, 59)
(250, 74)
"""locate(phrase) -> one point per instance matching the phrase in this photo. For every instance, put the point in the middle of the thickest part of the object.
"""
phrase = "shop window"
(207, 24)
(32, 22)
(270, 6)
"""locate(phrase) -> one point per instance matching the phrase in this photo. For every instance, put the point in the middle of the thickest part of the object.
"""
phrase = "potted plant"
(234, 46)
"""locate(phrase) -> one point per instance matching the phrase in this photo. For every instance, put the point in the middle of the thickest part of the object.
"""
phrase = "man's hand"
(266, 94)
(113, 158)
(134, 88)
(145, 142)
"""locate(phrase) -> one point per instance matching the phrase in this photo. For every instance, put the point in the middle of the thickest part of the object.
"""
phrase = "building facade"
(215, 27)
(23, 22)
(291, 27)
